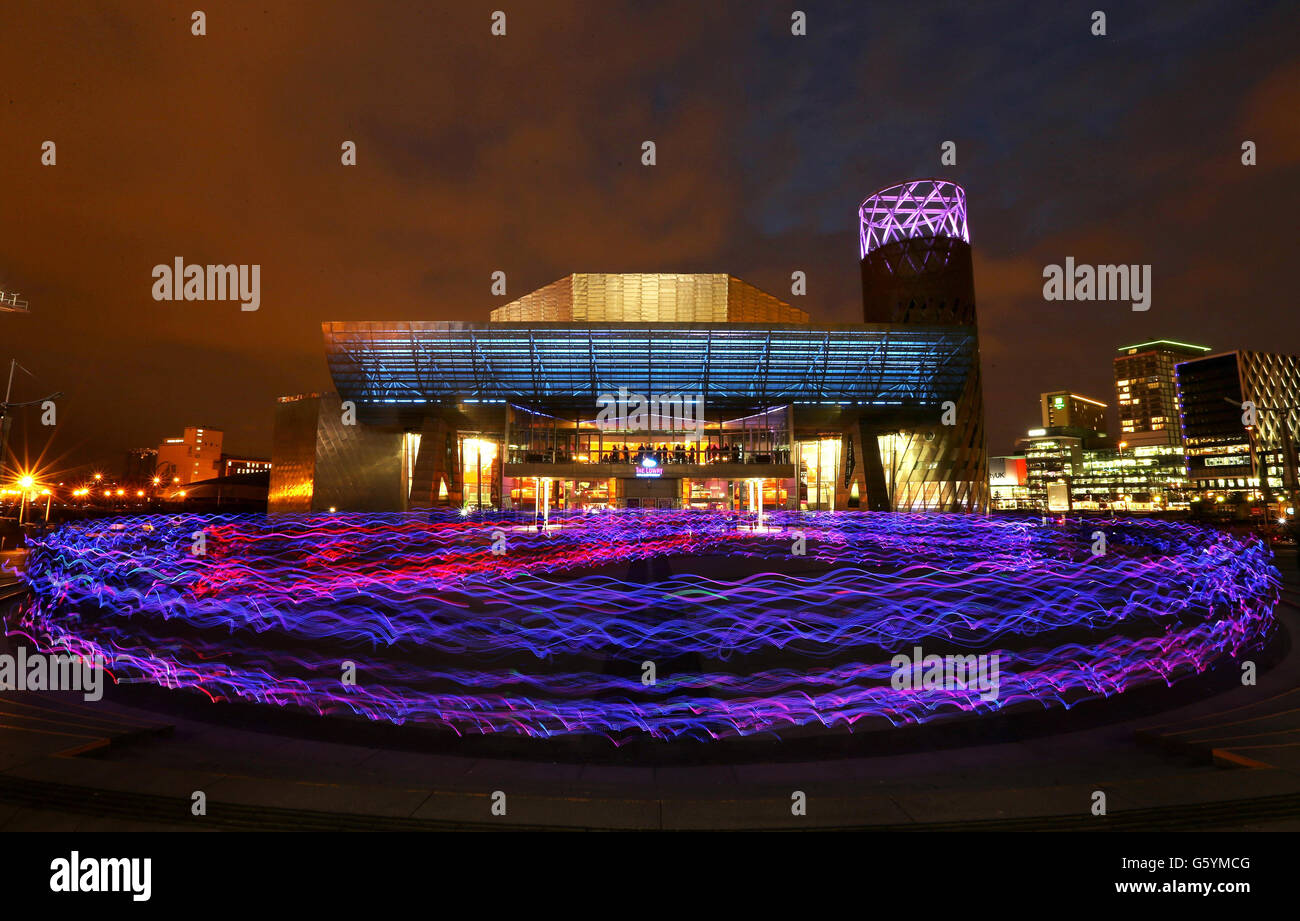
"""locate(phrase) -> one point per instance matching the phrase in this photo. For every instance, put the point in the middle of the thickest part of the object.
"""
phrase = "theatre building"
(664, 391)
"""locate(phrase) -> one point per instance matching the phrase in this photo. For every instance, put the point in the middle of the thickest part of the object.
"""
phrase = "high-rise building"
(1146, 391)
(917, 270)
(1063, 409)
(195, 455)
(1240, 414)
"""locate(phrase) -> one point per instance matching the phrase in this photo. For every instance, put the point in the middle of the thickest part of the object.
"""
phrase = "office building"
(1239, 413)
(1063, 409)
(1146, 391)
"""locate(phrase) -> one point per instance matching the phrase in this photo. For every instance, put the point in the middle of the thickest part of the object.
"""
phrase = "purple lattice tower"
(916, 257)
(916, 269)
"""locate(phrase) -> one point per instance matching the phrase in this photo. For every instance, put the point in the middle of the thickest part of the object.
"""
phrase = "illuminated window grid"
(570, 365)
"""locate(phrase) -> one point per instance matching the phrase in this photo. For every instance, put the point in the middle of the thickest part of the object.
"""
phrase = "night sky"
(522, 153)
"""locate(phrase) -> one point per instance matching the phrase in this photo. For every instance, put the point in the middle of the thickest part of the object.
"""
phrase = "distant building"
(1146, 391)
(140, 465)
(195, 455)
(244, 492)
(1063, 409)
(1148, 478)
(1009, 483)
(1219, 397)
(1053, 457)
(1072, 425)
(235, 465)
(1069, 468)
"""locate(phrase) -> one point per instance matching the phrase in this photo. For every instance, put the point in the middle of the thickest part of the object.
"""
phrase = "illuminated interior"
(478, 457)
(819, 467)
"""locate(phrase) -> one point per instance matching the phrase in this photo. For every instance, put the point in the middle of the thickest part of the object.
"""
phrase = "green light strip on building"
(1186, 345)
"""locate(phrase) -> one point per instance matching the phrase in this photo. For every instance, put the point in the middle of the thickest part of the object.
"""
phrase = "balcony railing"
(663, 457)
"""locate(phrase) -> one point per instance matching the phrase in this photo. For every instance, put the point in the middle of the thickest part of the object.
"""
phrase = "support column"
(438, 462)
(874, 492)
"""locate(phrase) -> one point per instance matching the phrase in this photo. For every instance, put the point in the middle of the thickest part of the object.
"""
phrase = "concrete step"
(1261, 733)
(40, 722)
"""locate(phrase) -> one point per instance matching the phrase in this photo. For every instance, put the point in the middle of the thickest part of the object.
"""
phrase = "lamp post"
(25, 483)
(6, 416)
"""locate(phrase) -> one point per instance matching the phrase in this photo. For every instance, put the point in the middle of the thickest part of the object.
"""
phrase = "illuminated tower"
(916, 270)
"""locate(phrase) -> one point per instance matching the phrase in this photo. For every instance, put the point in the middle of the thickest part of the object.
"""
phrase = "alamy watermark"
(1098, 283)
(75, 873)
(919, 672)
(181, 282)
(634, 412)
(52, 672)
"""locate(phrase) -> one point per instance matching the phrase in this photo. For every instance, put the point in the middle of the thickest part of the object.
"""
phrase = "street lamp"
(25, 484)
(7, 408)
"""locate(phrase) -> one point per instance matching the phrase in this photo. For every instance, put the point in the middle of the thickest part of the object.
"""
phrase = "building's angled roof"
(648, 298)
(1169, 344)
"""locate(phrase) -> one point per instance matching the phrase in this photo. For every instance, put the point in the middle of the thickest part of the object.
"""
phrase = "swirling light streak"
(547, 638)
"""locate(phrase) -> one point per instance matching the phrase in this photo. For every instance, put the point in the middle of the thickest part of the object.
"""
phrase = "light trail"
(548, 637)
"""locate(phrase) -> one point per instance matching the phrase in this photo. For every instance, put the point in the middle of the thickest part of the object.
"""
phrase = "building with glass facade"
(1146, 478)
(1053, 457)
(1009, 483)
(1240, 415)
(1146, 471)
(1067, 469)
(665, 391)
(1146, 391)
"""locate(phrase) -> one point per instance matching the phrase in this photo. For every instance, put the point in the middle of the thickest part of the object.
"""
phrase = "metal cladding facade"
(322, 462)
(914, 241)
(648, 298)
(919, 281)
